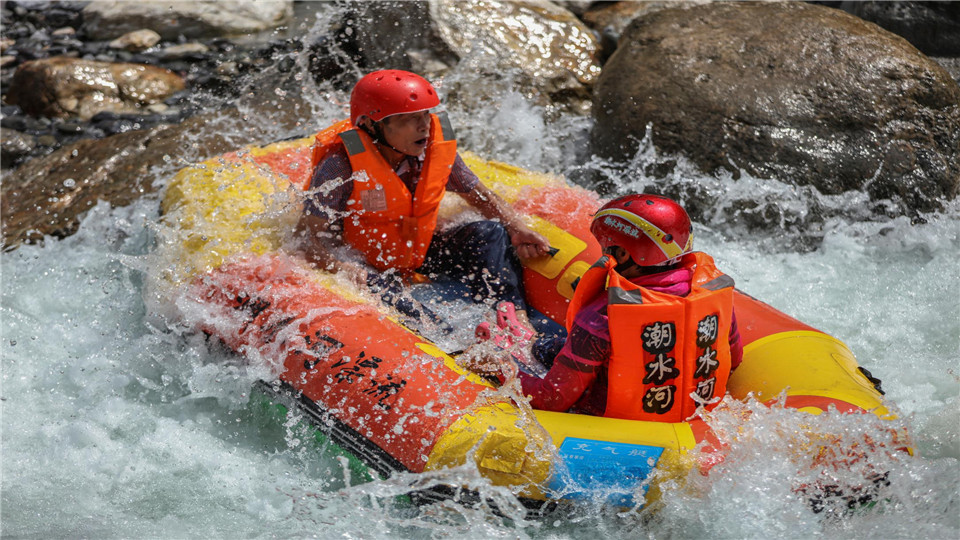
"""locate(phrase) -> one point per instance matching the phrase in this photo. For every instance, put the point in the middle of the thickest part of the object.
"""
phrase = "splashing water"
(118, 422)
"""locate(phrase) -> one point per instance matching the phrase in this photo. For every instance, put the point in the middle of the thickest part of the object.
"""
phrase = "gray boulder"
(64, 87)
(932, 27)
(551, 54)
(614, 17)
(109, 19)
(798, 92)
(48, 195)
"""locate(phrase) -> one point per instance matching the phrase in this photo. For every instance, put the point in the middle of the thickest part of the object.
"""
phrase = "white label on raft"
(602, 468)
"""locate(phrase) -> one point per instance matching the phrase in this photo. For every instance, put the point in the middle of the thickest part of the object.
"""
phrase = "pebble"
(187, 50)
(47, 140)
(70, 127)
(138, 40)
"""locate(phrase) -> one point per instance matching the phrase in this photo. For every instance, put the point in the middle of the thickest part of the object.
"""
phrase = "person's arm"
(318, 237)
(561, 387)
(528, 243)
(317, 241)
(585, 351)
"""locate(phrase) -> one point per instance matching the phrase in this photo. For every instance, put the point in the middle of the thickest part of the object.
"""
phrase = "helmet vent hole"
(649, 202)
(413, 97)
(668, 238)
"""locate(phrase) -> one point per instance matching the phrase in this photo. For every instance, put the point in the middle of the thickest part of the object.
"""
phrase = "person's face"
(408, 132)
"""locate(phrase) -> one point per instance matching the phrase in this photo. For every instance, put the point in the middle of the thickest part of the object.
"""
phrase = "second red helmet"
(652, 229)
(391, 91)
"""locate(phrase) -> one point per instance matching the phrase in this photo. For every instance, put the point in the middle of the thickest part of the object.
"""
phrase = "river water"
(116, 423)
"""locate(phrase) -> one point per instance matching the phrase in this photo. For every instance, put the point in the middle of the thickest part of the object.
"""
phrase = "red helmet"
(652, 229)
(391, 91)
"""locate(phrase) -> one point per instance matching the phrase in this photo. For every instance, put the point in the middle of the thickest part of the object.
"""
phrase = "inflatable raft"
(393, 399)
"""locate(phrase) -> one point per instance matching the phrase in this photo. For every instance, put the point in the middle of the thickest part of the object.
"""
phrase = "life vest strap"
(617, 295)
(446, 128)
(352, 142)
(721, 282)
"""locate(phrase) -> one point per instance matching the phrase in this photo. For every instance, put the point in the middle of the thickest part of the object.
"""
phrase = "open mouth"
(420, 142)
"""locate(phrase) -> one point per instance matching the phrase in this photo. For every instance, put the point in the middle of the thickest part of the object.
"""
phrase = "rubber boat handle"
(552, 251)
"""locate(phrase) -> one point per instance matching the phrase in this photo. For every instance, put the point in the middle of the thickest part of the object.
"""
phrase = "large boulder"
(932, 27)
(614, 17)
(64, 87)
(798, 92)
(109, 19)
(550, 54)
(48, 195)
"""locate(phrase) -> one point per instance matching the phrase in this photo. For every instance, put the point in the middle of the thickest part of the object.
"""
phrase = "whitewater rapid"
(117, 423)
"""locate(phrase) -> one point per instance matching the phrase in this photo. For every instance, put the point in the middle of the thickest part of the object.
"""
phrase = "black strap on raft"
(352, 142)
(876, 382)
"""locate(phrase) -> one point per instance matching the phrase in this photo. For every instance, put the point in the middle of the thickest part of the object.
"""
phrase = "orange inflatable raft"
(393, 399)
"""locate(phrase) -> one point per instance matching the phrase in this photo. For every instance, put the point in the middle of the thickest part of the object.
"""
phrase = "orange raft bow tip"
(393, 399)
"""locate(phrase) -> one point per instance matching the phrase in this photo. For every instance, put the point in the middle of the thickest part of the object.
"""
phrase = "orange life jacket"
(663, 347)
(385, 222)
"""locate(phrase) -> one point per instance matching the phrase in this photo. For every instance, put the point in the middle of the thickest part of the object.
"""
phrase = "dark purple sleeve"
(330, 185)
(462, 179)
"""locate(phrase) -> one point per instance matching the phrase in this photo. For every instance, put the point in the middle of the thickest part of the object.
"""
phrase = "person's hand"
(356, 273)
(528, 243)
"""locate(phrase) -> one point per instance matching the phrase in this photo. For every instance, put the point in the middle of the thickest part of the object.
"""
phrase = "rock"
(63, 87)
(138, 40)
(550, 52)
(6, 43)
(185, 50)
(70, 127)
(577, 7)
(952, 65)
(108, 19)
(610, 19)
(613, 17)
(47, 195)
(48, 141)
(65, 32)
(798, 92)
(7, 60)
(932, 27)
(14, 145)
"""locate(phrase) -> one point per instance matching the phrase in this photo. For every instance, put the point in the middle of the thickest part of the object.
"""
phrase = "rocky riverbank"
(101, 98)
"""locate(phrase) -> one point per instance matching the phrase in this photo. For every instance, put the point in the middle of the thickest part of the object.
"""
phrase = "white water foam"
(117, 424)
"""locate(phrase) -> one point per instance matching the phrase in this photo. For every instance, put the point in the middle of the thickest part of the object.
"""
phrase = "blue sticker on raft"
(603, 468)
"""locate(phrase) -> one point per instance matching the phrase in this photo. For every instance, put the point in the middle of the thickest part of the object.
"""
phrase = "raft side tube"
(618, 457)
(814, 371)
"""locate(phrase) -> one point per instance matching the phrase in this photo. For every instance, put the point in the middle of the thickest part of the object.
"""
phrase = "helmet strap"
(626, 265)
(376, 133)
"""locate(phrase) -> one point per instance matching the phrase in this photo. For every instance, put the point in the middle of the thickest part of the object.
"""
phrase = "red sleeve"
(559, 389)
(575, 367)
